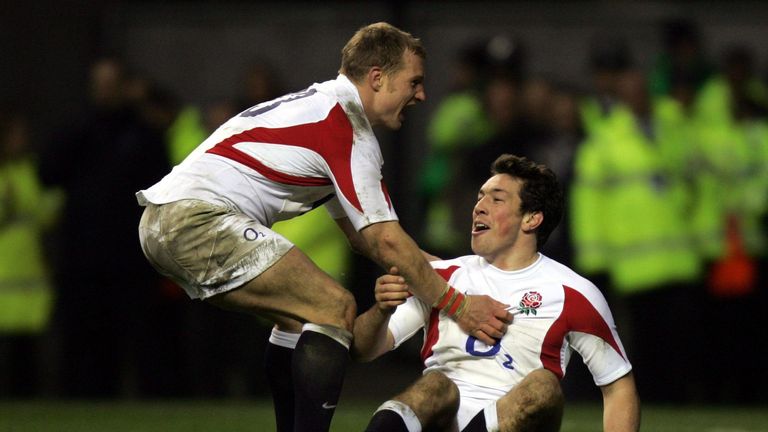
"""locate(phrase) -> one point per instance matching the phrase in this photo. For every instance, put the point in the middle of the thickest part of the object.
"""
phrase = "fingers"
(486, 319)
(484, 337)
(504, 316)
(498, 304)
(494, 329)
(490, 333)
(391, 290)
(390, 279)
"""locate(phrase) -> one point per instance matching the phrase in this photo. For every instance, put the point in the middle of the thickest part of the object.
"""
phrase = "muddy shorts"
(206, 248)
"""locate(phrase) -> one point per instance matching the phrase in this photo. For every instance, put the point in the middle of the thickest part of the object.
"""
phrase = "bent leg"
(294, 291)
(536, 404)
(430, 403)
(296, 288)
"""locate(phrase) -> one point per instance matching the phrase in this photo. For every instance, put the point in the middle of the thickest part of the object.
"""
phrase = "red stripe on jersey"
(430, 339)
(226, 149)
(385, 191)
(433, 334)
(331, 138)
(578, 315)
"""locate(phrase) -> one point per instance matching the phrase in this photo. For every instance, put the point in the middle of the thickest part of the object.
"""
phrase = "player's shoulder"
(566, 275)
(460, 265)
(462, 261)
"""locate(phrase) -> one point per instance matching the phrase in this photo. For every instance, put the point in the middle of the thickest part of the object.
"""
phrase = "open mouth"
(479, 227)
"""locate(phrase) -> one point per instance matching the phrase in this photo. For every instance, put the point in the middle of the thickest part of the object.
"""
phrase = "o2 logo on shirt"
(251, 234)
(491, 352)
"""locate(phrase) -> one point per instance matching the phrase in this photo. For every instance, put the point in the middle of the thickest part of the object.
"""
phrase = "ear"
(375, 78)
(532, 220)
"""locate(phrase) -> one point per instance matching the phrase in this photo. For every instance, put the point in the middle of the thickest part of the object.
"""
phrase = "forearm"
(478, 315)
(371, 336)
(390, 246)
(621, 419)
(621, 406)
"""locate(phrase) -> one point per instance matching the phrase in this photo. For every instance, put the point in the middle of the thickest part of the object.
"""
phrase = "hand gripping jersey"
(282, 158)
(558, 312)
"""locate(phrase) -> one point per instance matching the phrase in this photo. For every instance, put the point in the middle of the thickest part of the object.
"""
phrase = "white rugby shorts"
(207, 248)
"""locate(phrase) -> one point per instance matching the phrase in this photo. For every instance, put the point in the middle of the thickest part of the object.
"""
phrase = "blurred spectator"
(732, 190)
(627, 222)
(27, 211)
(609, 57)
(682, 55)
(486, 80)
(556, 150)
(106, 291)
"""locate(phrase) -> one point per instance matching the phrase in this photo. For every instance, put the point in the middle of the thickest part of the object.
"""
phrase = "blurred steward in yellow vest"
(731, 160)
(627, 222)
(627, 205)
(26, 210)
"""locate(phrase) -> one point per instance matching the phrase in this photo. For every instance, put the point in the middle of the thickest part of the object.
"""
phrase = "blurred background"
(654, 115)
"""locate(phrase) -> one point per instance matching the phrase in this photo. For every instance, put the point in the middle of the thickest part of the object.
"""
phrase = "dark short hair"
(540, 191)
(379, 44)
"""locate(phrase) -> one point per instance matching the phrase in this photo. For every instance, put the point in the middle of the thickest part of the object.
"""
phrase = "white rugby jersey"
(558, 312)
(282, 158)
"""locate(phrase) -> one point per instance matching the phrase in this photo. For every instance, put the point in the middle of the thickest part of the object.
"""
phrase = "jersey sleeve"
(408, 319)
(594, 336)
(363, 195)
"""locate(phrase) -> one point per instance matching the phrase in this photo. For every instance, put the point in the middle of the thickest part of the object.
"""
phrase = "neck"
(515, 260)
(366, 97)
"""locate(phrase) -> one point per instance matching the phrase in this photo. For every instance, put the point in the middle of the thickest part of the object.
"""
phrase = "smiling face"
(497, 221)
(398, 90)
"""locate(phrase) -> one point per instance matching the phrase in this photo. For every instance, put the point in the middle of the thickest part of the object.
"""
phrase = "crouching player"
(512, 385)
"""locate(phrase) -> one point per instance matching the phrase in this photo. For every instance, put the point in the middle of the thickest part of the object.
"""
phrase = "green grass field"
(256, 416)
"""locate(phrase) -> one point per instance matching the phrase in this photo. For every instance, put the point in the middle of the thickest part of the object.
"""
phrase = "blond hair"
(379, 44)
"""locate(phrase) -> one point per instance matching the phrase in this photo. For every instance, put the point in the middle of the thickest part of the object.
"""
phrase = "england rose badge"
(530, 302)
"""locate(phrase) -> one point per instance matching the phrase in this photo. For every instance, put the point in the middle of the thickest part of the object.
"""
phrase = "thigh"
(434, 399)
(536, 403)
(293, 290)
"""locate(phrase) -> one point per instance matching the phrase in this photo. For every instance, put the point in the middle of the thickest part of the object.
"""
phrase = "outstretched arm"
(621, 405)
(371, 335)
(358, 243)
(479, 316)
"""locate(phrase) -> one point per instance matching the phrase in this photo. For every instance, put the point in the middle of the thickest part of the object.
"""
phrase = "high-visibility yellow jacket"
(731, 162)
(185, 133)
(460, 122)
(625, 209)
(26, 209)
(318, 236)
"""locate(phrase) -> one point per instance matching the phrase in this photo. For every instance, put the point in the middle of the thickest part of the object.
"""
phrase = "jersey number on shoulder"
(470, 347)
(261, 109)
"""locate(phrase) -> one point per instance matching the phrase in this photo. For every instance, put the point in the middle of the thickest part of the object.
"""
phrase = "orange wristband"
(451, 300)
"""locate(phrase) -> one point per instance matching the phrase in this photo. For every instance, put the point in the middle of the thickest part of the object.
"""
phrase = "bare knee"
(337, 308)
(536, 404)
(546, 388)
(435, 400)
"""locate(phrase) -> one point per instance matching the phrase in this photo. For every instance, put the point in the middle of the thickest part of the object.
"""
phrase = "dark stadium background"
(197, 48)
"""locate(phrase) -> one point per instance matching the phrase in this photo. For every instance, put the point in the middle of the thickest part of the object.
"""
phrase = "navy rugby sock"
(394, 416)
(386, 421)
(277, 362)
(319, 364)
